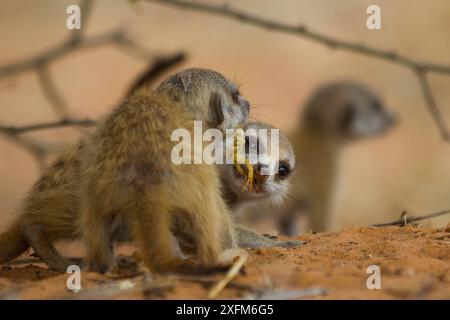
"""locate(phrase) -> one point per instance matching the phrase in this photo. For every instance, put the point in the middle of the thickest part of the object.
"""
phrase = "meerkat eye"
(283, 170)
(235, 96)
(348, 116)
(376, 106)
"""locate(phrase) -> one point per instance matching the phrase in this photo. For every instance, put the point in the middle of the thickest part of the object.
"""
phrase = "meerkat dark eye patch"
(347, 116)
(215, 112)
(284, 170)
(376, 106)
(235, 96)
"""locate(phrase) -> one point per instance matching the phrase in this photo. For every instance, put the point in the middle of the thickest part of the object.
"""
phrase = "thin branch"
(154, 70)
(432, 106)
(41, 63)
(132, 48)
(60, 51)
(304, 32)
(85, 10)
(38, 151)
(290, 294)
(234, 270)
(404, 220)
(52, 94)
(47, 125)
(118, 37)
(210, 281)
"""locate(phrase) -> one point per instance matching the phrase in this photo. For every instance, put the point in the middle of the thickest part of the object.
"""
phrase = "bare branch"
(304, 32)
(155, 69)
(52, 94)
(132, 48)
(38, 151)
(118, 37)
(41, 63)
(59, 51)
(232, 272)
(432, 106)
(405, 220)
(85, 9)
(47, 125)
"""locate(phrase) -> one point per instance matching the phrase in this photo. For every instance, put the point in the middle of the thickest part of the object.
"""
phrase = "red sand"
(414, 262)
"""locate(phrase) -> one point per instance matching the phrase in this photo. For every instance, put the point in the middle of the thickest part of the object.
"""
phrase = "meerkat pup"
(336, 115)
(271, 186)
(122, 178)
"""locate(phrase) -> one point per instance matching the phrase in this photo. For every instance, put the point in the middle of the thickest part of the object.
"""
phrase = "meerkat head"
(214, 99)
(272, 172)
(347, 111)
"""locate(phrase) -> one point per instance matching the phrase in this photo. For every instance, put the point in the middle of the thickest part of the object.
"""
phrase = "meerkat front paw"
(289, 243)
(284, 243)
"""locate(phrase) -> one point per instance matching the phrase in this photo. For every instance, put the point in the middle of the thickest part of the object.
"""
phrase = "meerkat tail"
(12, 243)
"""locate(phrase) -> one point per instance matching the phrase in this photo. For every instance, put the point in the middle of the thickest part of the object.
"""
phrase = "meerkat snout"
(272, 171)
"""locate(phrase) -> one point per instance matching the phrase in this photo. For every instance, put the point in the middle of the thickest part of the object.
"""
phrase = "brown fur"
(271, 188)
(139, 183)
(122, 178)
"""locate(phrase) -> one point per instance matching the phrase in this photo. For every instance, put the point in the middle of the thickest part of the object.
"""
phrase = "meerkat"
(265, 188)
(51, 211)
(337, 114)
(123, 173)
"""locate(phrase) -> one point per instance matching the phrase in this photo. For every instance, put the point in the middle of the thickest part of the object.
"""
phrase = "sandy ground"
(414, 263)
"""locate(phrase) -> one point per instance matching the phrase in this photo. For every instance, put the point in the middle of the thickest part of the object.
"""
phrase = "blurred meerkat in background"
(336, 114)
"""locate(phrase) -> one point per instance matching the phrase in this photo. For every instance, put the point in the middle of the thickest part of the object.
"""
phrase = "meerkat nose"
(244, 103)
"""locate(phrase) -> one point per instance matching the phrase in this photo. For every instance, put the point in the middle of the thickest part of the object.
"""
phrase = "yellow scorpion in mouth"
(239, 141)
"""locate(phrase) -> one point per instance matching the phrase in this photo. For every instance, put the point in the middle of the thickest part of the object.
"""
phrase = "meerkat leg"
(97, 239)
(206, 231)
(183, 230)
(249, 239)
(211, 226)
(228, 237)
(44, 249)
(151, 231)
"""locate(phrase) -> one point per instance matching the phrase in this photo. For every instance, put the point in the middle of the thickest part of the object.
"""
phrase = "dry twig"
(40, 63)
(404, 220)
(420, 68)
(159, 66)
(234, 270)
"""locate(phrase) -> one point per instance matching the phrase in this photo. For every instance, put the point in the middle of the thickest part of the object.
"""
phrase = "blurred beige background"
(407, 169)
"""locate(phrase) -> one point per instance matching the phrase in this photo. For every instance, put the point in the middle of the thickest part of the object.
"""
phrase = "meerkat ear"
(215, 112)
(186, 80)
